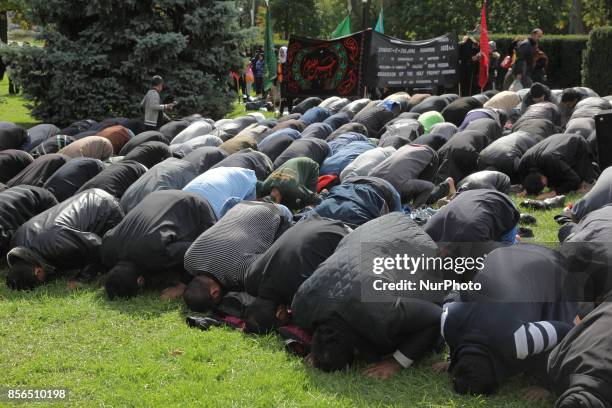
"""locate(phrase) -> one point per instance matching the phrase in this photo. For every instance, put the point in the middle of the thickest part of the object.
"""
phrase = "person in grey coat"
(154, 110)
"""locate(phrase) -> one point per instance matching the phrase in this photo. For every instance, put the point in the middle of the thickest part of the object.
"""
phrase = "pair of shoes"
(525, 232)
(562, 219)
(203, 323)
(547, 204)
(533, 204)
(527, 219)
(555, 202)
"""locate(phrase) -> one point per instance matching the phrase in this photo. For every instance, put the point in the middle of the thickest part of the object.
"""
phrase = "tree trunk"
(3, 26)
(575, 18)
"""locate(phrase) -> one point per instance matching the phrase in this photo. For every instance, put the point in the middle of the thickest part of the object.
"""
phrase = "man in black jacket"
(474, 223)
(350, 313)
(508, 326)
(64, 238)
(505, 153)
(561, 162)
(12, 162)
(18, 205)
(278, 273)
(599, 196)
(523, 66)
(580, 367)
(459, 156)
(149, 244)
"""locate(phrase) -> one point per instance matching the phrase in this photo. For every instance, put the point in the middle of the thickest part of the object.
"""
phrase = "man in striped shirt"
(521, 313)
(219, 258)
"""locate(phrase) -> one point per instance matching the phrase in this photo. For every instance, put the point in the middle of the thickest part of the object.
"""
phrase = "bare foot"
(440, 367)
(535, 393)
(522, 194)
(452, 190)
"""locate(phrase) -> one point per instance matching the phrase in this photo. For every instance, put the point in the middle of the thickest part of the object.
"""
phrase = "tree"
(20, 7)
(99, 56)
(295, 17)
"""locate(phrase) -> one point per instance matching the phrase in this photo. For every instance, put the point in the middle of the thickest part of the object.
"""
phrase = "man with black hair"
(570, 98)
(294, 184)
(348, 316)
(148, 246)
(278, 273)
(219, 258)
(537, 93)
(64, 238)
(154, 110)
(561, 162)
(508, 326)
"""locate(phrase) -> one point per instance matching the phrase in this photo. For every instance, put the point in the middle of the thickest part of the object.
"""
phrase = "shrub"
(564, 56)
(596, 72)
(99, 56)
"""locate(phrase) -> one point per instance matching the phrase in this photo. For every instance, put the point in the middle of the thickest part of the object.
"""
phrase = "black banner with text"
(395, 63)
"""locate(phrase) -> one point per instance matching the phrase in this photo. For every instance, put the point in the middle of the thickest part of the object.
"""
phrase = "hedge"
(564, 56)
(596, 72)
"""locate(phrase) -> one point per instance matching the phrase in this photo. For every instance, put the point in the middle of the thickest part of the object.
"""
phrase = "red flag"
(484, 49)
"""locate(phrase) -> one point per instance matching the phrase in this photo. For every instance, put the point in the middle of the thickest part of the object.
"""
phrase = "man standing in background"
(523, 67)
(154, 110)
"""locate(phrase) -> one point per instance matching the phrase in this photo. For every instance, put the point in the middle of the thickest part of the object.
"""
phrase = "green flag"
(380, 25)
(344, 28)
(270, 69)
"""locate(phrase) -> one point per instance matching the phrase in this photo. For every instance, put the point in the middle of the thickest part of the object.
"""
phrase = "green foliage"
(100, 56)
(596, 71)
(295, 17)
(13, 108)
(564, 56)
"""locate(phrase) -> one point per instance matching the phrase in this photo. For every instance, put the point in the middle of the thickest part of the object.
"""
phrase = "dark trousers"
(259, 85)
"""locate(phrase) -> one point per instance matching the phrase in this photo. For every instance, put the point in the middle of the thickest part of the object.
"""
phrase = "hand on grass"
(535, 393)
(173, 292)
(383, 369)
(440, 367)
(544, 196)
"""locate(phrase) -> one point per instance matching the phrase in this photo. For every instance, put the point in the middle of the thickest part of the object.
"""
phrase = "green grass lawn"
(140, 353)
(13, 109)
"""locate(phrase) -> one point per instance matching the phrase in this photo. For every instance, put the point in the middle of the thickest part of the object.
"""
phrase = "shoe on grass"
(527, 219)
(524, 232)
